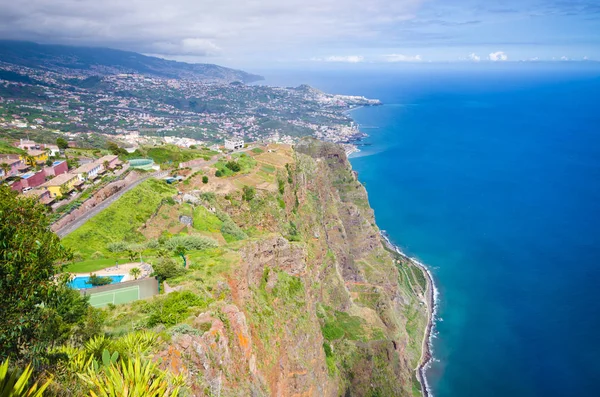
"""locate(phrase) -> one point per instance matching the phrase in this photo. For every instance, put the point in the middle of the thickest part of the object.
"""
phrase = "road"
(71, 227)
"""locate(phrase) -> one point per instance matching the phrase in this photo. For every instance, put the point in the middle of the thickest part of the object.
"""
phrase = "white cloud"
(338, 58)
(237, 28)
(474, 57)
(585, 58)
(402, 58)
(498, 56)
(564, 58)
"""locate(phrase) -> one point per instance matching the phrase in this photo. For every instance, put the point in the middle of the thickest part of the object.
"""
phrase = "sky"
(264, 33)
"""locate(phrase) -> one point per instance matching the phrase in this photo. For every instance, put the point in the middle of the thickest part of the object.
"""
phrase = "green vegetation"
(96, 281)
(173, 308)
(340, 325)
(166, 268)
(240, 162)
(119, 222)
(6, 148)
(248, 193)
(190, 242)
(37, 310)
(13, 384)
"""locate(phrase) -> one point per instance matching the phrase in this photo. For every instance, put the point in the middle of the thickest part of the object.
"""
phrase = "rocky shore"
(431, 301)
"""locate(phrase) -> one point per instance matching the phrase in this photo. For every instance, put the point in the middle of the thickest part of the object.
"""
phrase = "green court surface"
(117, 296)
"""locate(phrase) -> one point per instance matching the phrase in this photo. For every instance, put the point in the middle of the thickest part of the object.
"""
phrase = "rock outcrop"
(317, 306)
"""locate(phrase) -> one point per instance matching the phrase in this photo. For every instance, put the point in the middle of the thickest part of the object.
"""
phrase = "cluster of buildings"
(183, 112)
(34, 175)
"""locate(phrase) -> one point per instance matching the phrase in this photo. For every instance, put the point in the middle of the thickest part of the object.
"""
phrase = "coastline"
(432, 299)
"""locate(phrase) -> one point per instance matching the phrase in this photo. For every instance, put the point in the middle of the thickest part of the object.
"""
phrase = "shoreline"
(432, 299)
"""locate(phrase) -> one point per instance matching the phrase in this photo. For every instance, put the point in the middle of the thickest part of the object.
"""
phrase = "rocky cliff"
(313, 304)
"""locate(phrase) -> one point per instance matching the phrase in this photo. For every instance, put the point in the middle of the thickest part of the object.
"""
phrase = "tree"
(218, 174)
(31, 256)
(132, 255)
(5, 168)
(135, 272)
(49, 163)
(30, 161)
(106, 164)
(248, 193)
(233, 166)
(166, 268)
(96, 281)
(62, 143)
(64, 190)
(114, 148)
(205, 179)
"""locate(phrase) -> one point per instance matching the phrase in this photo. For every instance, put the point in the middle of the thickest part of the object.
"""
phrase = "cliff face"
(316, 305)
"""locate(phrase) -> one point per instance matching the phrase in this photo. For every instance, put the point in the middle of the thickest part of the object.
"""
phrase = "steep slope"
(314, 304)
(111, 61)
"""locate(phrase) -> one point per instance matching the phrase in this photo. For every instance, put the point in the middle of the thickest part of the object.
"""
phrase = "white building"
(234, 144)
(88, 171)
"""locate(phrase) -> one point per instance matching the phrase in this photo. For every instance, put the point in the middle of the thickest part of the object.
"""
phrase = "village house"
(29, 181)
(43, 195)
(66, 182)
(88, 171)
(26, 144)
(40, 156)
(112, 161)
(57, 168)
(234, 144)
(12, 165)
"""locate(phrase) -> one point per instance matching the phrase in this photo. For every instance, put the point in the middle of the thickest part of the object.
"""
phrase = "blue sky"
(299, 32)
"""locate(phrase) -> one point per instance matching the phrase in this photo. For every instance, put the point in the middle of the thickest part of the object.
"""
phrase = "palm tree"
(106, 164)
(132, 255)
(135, 272)
(30, 161)
(6, 168)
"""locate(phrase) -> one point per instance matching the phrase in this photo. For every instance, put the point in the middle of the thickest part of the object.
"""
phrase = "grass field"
(120, 221)
(93, 265)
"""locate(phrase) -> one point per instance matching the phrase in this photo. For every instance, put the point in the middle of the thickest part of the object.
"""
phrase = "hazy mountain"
(92, 60)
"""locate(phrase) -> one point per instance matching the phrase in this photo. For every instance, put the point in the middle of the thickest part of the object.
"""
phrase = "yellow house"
(40, 156)
(55, 184)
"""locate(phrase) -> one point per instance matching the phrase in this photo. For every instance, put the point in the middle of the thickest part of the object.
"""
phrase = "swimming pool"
(81, 282)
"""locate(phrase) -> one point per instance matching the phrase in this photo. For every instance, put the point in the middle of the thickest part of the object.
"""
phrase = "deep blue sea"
(491, 176)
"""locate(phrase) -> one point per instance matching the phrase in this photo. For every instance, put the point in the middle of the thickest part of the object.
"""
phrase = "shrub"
(166, 268)
(233, 166)
(248, 193)
(184, 329)
(152, 244)
(139, 378)
(118, 246)
(230, 231)
(204, 179)
(14, 384)
(173, 308)
(190, 243)
(218, 174)
(97, 255)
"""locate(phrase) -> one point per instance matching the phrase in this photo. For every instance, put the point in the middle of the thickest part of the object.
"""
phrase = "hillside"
(289, 290)
(103, 61)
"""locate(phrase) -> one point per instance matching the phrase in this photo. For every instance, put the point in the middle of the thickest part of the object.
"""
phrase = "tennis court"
(117, 296)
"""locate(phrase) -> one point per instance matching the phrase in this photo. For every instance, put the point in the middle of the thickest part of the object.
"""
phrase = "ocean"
(491, 177)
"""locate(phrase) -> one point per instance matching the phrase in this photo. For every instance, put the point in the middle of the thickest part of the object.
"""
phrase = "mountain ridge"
(105, 61)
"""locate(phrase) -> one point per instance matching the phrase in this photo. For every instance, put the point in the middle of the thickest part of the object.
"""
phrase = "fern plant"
(14, 385)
